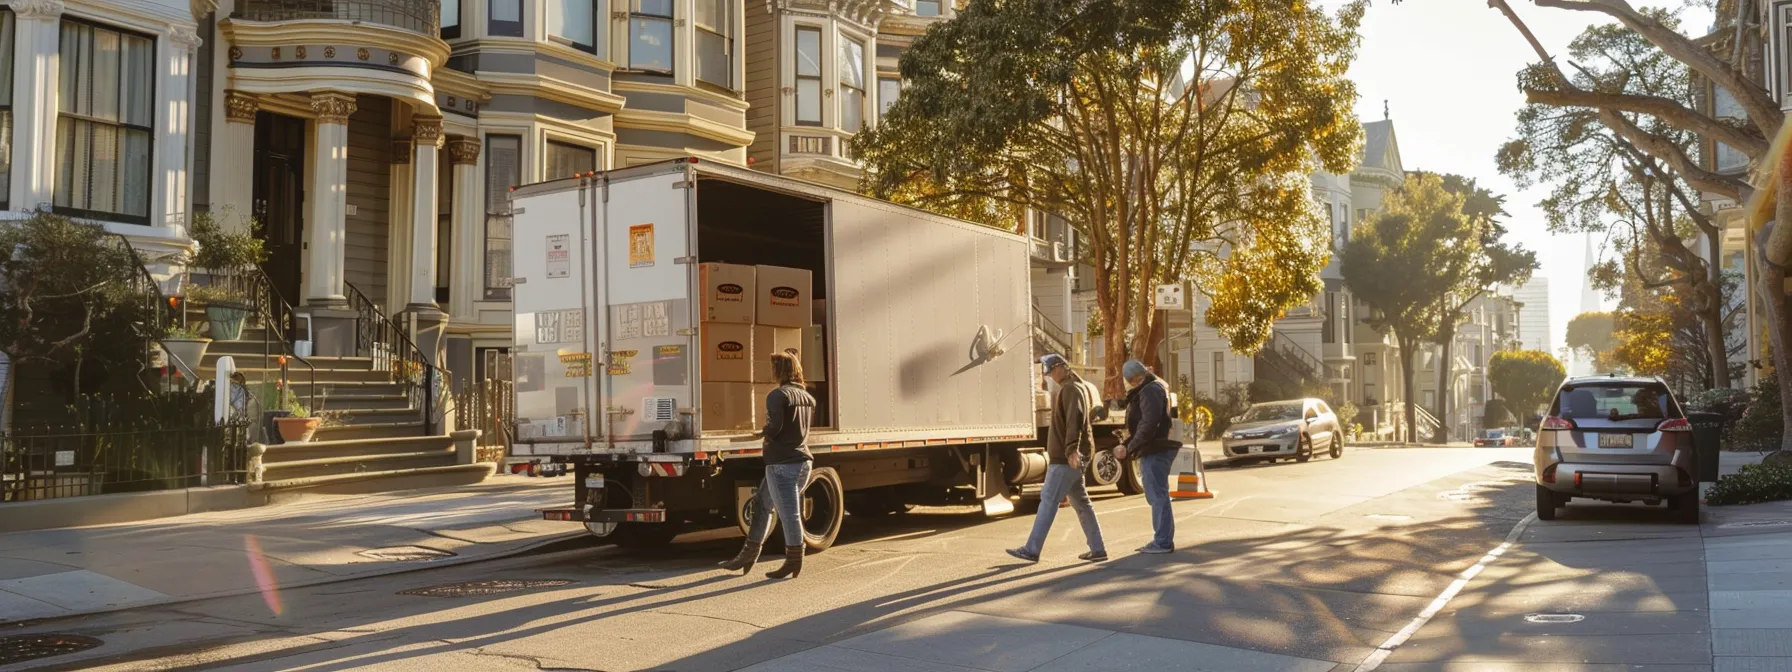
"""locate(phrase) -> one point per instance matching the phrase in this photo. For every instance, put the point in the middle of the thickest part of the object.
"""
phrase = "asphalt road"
(1319, 562)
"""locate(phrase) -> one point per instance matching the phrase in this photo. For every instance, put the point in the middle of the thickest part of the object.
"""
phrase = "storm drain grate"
(1757, 523)
(1554, 618)
(405, 554)
(486, 587)
(20, 648)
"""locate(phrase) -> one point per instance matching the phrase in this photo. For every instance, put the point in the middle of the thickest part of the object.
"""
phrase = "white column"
(326, 233)
(398, 243)
(35, 85)
(464, 286)
(174, 127)
(426, 133)
(233, 177)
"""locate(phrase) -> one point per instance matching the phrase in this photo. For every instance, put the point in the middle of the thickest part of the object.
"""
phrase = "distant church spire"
(1385, 116)
(1589, 297)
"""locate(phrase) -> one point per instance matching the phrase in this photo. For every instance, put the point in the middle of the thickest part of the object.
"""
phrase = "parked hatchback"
(1280, 429)
(1618, 440)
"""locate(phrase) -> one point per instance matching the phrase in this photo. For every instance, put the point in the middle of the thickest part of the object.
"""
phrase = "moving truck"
(648, 299)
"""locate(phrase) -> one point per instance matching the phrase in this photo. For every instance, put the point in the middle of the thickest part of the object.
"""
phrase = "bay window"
(650, 36)
(852, 85)
(503, 170)
(576, 23)
(450, 19)
(808, 76)
(504, 18)
(566, 160)
(104, 124)
(888, 90)
(715, 43)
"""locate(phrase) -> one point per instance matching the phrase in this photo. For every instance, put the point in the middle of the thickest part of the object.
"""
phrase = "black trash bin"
(1707, 439)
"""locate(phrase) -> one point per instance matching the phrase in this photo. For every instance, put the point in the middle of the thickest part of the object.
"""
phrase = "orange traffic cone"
(1191, 477)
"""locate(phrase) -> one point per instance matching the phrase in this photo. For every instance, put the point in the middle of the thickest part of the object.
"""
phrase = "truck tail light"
(1577, 480)
(1675, 425)
(1557, 424)
(1549, 474)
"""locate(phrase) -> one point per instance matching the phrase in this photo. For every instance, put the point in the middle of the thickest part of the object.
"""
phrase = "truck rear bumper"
(579, 515)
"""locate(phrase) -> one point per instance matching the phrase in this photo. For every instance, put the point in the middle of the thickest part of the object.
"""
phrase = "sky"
(1447, 71)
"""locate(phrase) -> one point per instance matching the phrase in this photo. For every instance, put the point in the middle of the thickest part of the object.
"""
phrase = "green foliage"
(1594, 335)
(183, 332)
(1730, 403)
(1525, 379)
(1232, 402)
(225, 254)
(1496, 414)
(1754, 484)
(1761, 427)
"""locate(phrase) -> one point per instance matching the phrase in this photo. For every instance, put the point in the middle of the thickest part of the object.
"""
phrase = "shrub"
(1760, 427)
(1754, 484)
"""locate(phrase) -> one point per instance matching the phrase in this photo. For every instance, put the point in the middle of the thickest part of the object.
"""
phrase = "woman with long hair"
(788, 410)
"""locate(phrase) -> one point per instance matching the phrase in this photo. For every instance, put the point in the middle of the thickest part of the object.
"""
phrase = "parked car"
(1283, 429)
(1617, 440)
(1494, 437)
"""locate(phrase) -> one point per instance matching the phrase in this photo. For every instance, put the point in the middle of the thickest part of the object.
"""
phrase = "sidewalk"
(72, 571)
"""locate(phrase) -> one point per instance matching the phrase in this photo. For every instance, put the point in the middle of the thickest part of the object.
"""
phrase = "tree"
(1491, 263)
(1403, 259)
(1496, 414)
(1176, 136)
(1525, 379)
(1591, 335)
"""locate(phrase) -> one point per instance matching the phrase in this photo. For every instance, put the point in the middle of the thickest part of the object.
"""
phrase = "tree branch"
(1667, 109)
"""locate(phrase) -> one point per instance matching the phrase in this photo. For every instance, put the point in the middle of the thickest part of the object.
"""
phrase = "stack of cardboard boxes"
(749, 312)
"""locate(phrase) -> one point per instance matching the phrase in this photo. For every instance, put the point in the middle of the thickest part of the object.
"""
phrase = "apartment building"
(1491, 323)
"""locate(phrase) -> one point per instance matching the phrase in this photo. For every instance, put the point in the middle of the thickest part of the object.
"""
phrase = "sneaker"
(1023, 554)
(1154, 549)
(1093, 556)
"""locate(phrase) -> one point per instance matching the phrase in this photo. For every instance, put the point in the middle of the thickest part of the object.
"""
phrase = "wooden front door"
(280, 198)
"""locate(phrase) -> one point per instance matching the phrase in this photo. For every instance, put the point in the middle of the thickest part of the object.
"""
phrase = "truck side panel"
(910, 295)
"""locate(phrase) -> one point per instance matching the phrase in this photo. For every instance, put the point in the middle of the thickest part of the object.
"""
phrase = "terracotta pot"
(297, 430)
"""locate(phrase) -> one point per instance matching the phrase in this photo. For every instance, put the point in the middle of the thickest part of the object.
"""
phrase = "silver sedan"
(1283, 429)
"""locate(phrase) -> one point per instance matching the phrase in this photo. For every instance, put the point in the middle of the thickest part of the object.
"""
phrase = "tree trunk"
(1113, 357)
(1406, 353)
(1446, 339)
(1773, 296)
(1714, 314)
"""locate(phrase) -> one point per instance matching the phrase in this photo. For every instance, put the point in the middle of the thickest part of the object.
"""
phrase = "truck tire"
(644, 535)
(1103, 469)
(1131, 481)
(826, 504)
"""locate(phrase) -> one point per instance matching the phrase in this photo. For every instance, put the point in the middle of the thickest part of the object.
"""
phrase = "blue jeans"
(1154, 469)
(1062, 481)
(781, 491)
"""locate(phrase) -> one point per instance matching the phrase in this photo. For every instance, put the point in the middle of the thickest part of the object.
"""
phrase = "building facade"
(1534, 331)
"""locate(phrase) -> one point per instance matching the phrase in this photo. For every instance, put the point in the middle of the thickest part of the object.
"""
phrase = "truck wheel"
(1103, 469)
(825, 504)
(1131, 481)
(644, 535)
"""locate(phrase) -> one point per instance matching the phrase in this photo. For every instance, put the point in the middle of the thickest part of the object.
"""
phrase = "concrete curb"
(389, 571)
(129, 507)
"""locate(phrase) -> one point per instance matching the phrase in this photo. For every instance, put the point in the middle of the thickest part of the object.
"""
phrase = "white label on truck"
(559, 255)
(572, 325)
(659, 409)
(643, 320)
(547, 327)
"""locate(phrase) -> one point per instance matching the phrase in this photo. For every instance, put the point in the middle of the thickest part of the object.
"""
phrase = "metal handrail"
(145, 282)
(279, 322)
(379, 337)
(417, 16)
(1052, 330)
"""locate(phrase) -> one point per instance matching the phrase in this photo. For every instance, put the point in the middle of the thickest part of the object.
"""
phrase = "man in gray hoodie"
(1069, 445)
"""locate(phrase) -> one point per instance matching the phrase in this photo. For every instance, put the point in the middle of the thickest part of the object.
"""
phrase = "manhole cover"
(487, 587)
(20, 648)
(405, 554)
(1757, 523)
(1554, 618)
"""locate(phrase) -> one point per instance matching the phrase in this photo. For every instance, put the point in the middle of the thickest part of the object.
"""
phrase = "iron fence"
(61, 462)
(417, 16)
(382, 339)
(489, 407)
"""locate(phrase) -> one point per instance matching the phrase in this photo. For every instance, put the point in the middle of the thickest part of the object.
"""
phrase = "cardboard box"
(729, 407)
(729, 293)
(768, 340)
(760, 391)
(785, 297)
(727, 353)
(815, 362)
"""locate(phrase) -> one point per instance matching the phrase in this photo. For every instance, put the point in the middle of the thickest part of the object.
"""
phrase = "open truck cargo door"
(555, 339)
(650, 342)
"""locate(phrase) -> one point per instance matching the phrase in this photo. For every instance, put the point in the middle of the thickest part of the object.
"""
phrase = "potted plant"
(228, 257)
(185, 345)
(299, 425)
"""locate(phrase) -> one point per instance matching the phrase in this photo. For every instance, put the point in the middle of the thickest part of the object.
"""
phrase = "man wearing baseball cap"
(1069, 444)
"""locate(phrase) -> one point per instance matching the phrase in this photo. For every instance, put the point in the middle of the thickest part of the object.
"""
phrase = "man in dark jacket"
(1069, 445)
(1148, 440)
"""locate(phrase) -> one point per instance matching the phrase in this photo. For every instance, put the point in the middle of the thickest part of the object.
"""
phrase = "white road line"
(1387, 648)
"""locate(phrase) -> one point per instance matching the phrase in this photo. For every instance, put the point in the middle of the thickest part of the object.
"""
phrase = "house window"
(650, 36)
(808, 76)
(566, 160)
(103, 131)
(852, 85)
(1430, 399)
(450, 19)
(1369, 359)
(504, 18)
(503, 170)
(444, 235)
(6, 43)
(1330, 329)
(1219, 371)
(715, 43)
(574, 23)
(927, 8)
(888, 90)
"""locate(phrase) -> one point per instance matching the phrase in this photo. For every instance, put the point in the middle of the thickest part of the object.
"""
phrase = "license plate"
(1257, 449)
(594, 482)
(1616, 441)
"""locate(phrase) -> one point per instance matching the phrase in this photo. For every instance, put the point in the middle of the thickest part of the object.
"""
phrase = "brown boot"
(749, 554)
(793, 564)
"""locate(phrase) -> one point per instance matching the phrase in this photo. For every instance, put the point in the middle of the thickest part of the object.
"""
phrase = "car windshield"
(1272, 412)
(1615, 402)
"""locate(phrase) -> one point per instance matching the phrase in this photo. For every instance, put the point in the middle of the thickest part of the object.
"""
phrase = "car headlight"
(1226, 434)
(1285, 431)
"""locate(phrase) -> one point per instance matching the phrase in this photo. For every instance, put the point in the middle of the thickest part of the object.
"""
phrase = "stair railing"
(279, 321)
(161, 310)
(380, 338)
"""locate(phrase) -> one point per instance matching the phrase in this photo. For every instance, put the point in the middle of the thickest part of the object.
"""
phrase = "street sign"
(1169, 297)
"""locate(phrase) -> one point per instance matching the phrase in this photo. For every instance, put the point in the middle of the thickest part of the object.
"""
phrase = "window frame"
(499, 28)
(725, 33)
(493, 211)
(883, 107)
(149, 157)
(939, 8)
(600, 14)
(547, 157)
(821, 110)
(671, 21)
(449, 31)
(848, 41)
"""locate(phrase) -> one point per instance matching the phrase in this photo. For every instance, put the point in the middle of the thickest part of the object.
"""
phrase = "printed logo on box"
(785, 296)
(731, 350)
(730, 292)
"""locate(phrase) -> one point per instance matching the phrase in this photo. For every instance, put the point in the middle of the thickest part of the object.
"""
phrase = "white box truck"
(929, 375)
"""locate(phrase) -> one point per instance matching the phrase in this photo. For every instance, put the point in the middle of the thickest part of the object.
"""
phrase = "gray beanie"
(1133, 369)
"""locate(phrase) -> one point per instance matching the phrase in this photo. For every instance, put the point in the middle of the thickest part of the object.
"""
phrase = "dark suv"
(1619, 440)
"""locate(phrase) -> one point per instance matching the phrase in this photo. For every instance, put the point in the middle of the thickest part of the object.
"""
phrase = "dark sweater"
(1148, 419)
(788, 410)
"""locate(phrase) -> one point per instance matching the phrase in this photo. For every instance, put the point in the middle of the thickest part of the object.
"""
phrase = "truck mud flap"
(575, 515)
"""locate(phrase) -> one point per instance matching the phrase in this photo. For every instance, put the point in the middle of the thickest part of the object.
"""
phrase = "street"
(1293, 566)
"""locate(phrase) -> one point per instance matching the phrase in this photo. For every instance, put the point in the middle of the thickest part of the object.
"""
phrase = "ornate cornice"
(463, 151)
(426, 129)
(37, 9)
(332, 107)
(185, 37)
(240, 107)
